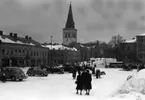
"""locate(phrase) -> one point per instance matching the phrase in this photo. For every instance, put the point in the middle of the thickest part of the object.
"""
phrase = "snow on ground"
(62, 87)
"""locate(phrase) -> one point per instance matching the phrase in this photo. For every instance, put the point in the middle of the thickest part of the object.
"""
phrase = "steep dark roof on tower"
(70, 22)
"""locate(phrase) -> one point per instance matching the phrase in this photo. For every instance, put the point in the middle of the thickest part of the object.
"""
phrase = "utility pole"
(51, 41)
(51, 52)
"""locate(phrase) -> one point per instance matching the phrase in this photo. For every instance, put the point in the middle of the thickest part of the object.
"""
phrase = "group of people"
(83, 82)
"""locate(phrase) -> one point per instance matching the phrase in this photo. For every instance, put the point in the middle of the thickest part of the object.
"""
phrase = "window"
(65, 35)
(68, 35)
(3, 51)
(31, 53)
(7, 53)
(74, 35)
(12, 52)
(15, 51)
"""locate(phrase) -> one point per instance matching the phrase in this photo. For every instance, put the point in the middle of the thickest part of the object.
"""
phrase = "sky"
(94, 19)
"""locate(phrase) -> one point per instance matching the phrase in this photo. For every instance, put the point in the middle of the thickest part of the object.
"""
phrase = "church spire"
(70, 22)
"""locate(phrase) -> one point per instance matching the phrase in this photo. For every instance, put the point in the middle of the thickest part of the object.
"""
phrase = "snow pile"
(134, 84)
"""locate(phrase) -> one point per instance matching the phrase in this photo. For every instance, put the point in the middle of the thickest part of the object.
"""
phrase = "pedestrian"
(97, 73)
(86, 81)
(93, 70)
(74, 73)
(79, 83)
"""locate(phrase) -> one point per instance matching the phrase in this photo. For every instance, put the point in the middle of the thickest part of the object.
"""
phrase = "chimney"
(30, 38)
(11, 34)
(26, 37)
(15, 35)
(1, 32)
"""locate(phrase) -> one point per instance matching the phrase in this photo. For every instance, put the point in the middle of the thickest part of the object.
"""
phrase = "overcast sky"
(94, 19)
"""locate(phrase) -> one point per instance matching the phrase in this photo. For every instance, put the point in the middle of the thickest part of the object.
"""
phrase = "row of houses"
(25, 51)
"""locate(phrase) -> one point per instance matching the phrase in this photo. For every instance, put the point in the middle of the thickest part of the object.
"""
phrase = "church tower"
(69, 32)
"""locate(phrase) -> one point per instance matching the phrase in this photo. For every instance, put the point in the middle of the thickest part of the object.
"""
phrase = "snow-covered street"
(62, 87)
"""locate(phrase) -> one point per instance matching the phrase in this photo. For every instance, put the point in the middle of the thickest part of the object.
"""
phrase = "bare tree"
(116, 40)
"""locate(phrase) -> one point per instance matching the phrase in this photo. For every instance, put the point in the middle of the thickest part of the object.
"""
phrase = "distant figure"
(86, 81)
(74, 72)
(79, 83)
(93, 70)
(97, 73)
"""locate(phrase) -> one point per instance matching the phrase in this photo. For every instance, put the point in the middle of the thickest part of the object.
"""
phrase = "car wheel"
(29, 74)
(3, 80)
(13, 78)
(20, 79)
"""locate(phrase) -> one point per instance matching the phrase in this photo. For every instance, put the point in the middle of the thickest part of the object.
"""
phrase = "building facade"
(60, 54)
(127, 51)
(140, 43)
(133, 50)
(18, 51)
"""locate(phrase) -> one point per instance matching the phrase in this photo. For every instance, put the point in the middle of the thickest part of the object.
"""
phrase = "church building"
(69, 32)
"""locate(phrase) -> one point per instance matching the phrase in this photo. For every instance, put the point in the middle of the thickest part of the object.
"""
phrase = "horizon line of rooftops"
(14, 39)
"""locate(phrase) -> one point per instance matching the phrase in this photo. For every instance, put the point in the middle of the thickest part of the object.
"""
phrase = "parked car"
(36, 71)
(12, 73)
(67, 68)
(56, 69)
(127, 67)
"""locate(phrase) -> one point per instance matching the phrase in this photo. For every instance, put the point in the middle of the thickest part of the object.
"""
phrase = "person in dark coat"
(74, 72)
(79, 83)
(97, 73)
(86, 81)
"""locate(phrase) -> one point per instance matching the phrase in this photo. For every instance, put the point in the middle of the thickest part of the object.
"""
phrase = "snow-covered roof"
(6, 39)
(59, 47)
(143, 34)
(82, 45)
(130, 41)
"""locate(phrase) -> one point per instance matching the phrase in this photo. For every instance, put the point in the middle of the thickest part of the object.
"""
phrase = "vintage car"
(56, 69)
(67, 68)
(12, 73)
(36, 71)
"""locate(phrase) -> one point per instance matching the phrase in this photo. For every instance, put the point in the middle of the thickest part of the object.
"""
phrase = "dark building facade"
(127, 51)
(18, 51)
(60, 54)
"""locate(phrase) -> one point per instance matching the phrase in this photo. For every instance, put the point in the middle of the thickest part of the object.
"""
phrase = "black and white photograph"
(72, 49)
